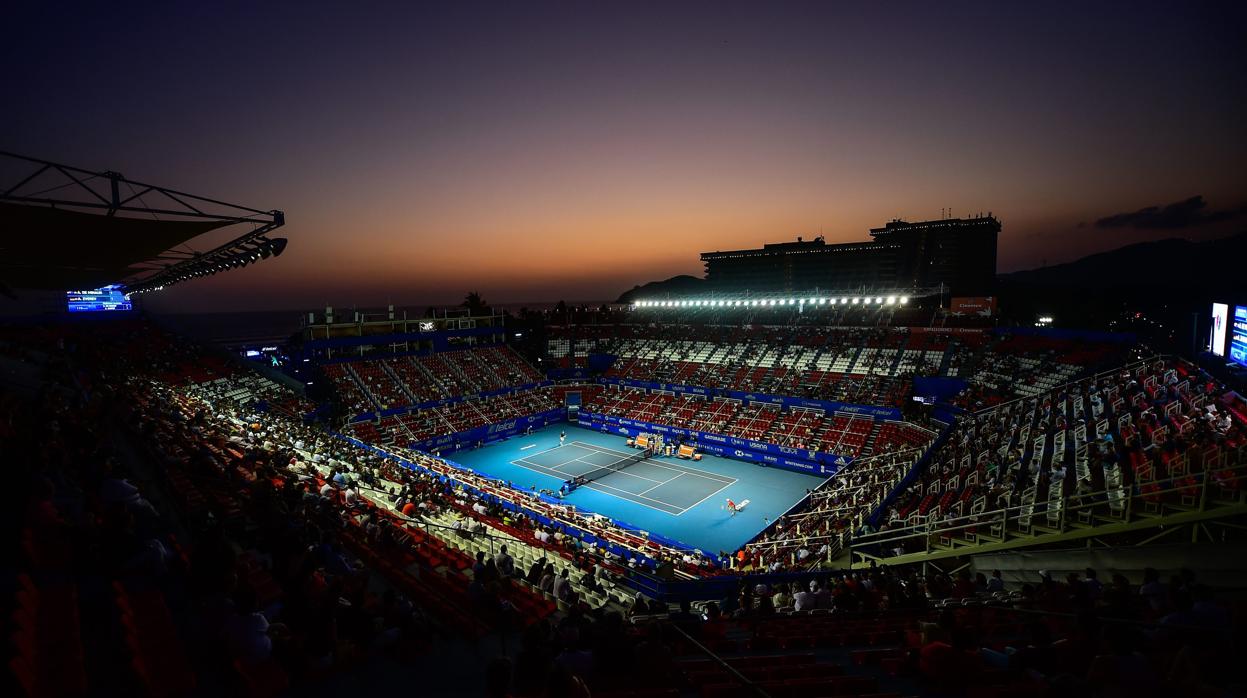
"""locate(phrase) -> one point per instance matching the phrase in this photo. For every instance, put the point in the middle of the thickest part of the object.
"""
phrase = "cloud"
(1181, 214)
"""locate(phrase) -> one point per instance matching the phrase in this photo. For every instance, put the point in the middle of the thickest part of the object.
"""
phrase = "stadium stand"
(806, 429)
(417, 551)
(859, 365)
(370, 385)
(1146, 437)
(239, 477)
(187, 526)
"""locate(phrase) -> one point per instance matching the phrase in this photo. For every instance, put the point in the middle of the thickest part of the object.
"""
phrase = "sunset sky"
(544, 151)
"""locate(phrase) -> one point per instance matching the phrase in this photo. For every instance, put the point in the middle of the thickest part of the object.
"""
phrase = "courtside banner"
(828, 406)
(800, 460)
(490, 432)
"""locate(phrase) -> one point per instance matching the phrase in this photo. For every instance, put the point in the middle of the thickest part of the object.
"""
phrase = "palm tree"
(475, 304)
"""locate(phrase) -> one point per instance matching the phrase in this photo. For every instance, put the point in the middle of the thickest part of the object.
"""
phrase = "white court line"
(525, 460)
(698, 502)
(660, 484)
(602, 449)
(568, 447)
(597, 483)
(525, 448)
(559, 469)
(628, 496)
(617, 472)
(543, 470)
(563, 463)
(682, 469)
(662, 501)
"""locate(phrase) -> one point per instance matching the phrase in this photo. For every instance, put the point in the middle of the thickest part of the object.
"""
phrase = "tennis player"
(731, 506)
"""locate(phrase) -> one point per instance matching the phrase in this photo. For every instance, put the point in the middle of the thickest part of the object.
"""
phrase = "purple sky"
(538, 151)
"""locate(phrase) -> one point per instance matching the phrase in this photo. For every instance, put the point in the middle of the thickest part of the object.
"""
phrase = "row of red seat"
(368, 385)
(157, 654)
(48, 638)
(805, 429)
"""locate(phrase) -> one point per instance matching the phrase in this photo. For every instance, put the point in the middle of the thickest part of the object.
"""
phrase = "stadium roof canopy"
(66, 228)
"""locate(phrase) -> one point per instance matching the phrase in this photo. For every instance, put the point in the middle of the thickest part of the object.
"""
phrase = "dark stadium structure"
(766, 488)
(71, 228)
(957, 253)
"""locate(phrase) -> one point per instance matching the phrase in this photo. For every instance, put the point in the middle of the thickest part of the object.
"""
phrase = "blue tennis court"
(679, 499)
(665, 484)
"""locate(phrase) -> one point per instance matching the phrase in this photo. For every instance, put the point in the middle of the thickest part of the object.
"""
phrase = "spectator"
(562, 585)
(782, 598)
(504, 562)
(805, 600)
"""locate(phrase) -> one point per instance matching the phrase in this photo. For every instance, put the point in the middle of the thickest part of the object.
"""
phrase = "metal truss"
(32, 181)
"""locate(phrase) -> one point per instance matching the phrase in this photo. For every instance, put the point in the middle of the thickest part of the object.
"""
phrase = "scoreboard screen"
(101, 299)
(1238, 336)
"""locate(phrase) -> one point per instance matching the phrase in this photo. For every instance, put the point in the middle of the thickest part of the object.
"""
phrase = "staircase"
(402, 385)
(857, 354)
(453, 368)
(896, 360)
(428, 376)
(868, 448)
(363, 387)
(946, 360)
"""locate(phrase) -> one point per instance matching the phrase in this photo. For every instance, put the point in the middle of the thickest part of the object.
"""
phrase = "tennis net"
(614, 467)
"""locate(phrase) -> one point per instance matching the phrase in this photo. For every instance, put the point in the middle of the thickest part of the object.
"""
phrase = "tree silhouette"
(475, 304)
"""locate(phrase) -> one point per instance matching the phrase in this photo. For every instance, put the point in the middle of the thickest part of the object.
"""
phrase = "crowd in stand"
(368, 385)
(417, 425)
(1141, 432)
(175, 535)
(852, 364)
(817, 534)
(1074, 633)
(846, 434)
(1013, 366)
(266, 590)
(946, 489)
(275, 583)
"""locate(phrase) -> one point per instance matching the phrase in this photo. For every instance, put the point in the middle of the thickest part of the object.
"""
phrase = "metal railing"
(1094, 378)
(835, 541)
(1054, 517)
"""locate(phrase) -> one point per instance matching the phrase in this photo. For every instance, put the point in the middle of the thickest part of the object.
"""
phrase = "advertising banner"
(800, 460)
(827, 406)
(981, 306)
(490, 432)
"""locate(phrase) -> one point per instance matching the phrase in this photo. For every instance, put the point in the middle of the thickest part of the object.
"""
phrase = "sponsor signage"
(982, 306)
(740, 449)
(827, 406)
